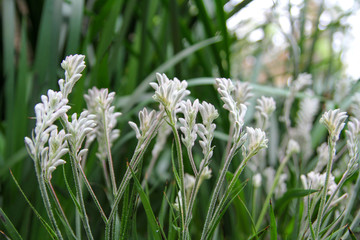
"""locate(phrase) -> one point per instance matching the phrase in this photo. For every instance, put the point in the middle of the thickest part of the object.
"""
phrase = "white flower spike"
(334, 122)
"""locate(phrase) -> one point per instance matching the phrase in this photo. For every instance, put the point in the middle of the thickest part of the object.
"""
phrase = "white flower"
(73, 66)
(280, 188)
(242, 92)
(292, 147)
(52, 107)
(316, 181)
(323, 153)
(189, 127)
(147, 122)
(303, 79)
(257, 139)
(257, 179)
(206, 129)
(266, 106)
(169, 93)
(352, 142)
(206, 173)
(79, 129)
(99, 103)
(237, 111)
(51, 156)
(355, 105)
(334, 122)
(161, 138)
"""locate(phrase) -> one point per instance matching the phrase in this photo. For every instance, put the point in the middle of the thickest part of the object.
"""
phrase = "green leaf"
(11, 230)
(273, 228)
(290, 195)
(352, 235)
(155, 226)
(72, 195)
(259, 234)
(44, 223)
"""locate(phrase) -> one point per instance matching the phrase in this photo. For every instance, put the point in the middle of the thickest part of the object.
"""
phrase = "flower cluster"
(257, 140)
(352, 142)
(334, 122)
(237, 111)
(206, 128)
(169, 93)
(316, 181)
(189, 127)
(73, 66)
(79, 129)
(242, 92)
(99, 103)
(147, 123)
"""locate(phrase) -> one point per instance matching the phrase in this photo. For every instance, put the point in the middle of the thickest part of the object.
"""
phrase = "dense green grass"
(126, 43)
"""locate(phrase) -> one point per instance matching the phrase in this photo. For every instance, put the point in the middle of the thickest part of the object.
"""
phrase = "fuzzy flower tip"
(352, 142)
(266, 106)
(147, 122)
(169, 93)
(73, 66)
(189, 127)
(334, 122)
(257, 139)
(51, 156)
(242, 92)
(292, 147)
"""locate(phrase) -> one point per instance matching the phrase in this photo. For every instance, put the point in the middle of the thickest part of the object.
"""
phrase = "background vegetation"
(126, 43)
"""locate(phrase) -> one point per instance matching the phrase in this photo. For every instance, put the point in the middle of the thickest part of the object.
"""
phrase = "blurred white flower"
(334, 122)
(280, 188)
(303, 80)
(266, 106)
(316, 181)
(257, 179)
(292, 147)
(242, 92)
(323, 153)
(206, 174)
(73, 66)
(352, 142)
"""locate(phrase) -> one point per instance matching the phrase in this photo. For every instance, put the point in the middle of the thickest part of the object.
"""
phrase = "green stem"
(79, 194)
(217, 190)
(138, 154)
(60, 209)
(45, 197)
(325, 189)
(110, 161)
(268, 197)
(92, 193)
(182, 185)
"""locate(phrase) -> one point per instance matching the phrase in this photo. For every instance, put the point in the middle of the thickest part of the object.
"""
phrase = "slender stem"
(217, 190)
(138, 154)
(268, 197)
(110, 161)
(79, 194)
(332, 151)
(182, 185)
(92, 193)
(191, 158)
(45, 197)
(106, 174)
(56, 200)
